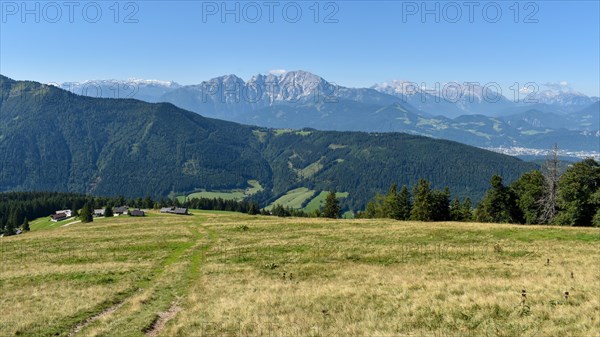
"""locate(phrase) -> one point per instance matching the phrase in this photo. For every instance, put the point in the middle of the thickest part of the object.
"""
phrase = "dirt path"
(70, 223)
(162, 319)
(94, 318)
(195, 255)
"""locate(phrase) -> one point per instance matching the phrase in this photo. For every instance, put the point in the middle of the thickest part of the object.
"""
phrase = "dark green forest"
(537, 197)
(17, 208)
(531, 199)
(52, 140)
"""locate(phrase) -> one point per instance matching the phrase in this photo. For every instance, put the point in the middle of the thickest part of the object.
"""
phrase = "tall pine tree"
(332, 206)
(577, 190)
(391, 204)
(25, 226)
(422, 209)
(498, 204)
(86, 213)
(456, 211)
(404, 204)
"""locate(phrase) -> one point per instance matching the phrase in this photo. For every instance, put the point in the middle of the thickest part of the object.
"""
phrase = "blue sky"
(365, 42)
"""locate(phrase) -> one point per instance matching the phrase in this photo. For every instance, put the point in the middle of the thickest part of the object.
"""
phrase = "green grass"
(45, 223)
(224, 273)
(435, 123)
(294, 198)
(319, 201)
(534, 132)
(310, 170)
(238, 194)
(255, 187)
(280, 132)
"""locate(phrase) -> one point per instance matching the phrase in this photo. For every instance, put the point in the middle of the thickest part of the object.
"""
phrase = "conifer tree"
(467, 209)
(74, 210)
(86, 213)
(332, 207)
(456, 211)
(10, 228)
(577, 194)
(108, 212)
(391, 204)
(253, 209)
(422, 209)
(440, 205)
(498, 204)
(25, 226)
(404, 204)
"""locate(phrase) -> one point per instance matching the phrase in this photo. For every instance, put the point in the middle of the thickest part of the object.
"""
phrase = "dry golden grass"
(236, 275)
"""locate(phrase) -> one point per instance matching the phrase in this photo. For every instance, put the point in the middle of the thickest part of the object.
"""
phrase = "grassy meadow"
(226, 274)
(237, 194)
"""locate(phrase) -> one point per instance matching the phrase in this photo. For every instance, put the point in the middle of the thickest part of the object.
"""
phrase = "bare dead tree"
(549, 200)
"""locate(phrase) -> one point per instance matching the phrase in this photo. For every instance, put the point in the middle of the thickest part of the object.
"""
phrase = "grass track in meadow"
(225, 274)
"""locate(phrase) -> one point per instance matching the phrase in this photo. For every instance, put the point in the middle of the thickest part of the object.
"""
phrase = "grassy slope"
(254, 188)
(319, 201)
(223, 273)
(294, 198)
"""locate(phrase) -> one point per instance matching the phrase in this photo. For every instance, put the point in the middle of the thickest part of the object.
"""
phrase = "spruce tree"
(108, 212)
(148, 203)
(440, 208)
(332, 207)
(278, 210)
(404, 204)
(86, 214)
(456, 211)
(577, 191)
(498, 204)
(11, 225)
(9, 230)
(467, 209)
(422, 209)
(253, 209)
(26, 225)
(74, 209)
(391, 204)
(529, 190)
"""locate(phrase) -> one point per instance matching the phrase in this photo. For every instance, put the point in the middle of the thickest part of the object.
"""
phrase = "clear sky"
(352, 43)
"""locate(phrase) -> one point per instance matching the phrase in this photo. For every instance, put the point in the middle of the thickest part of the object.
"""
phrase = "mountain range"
(54, 140)
(470, 114)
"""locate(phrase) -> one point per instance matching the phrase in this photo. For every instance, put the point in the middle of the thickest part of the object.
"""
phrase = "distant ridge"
(53, 140)
(298, 99)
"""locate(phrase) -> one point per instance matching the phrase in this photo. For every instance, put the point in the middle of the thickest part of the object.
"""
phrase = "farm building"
(137, 212)
(67, 212)
(120, 210)
(58, 216)
(174, 210)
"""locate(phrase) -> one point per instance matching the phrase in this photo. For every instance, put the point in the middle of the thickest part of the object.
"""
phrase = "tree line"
(17, 208)
(538, 197)
(331, 209)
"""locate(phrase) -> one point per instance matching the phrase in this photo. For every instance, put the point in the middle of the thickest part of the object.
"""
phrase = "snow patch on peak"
(277, 72)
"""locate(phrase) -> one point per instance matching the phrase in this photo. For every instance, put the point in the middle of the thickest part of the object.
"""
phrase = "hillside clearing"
(294, 198)
(237, 195)
(319, 201)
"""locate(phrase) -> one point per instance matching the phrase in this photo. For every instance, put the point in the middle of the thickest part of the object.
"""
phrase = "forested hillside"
(53, 140)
